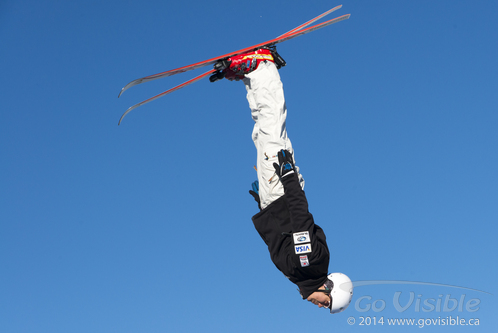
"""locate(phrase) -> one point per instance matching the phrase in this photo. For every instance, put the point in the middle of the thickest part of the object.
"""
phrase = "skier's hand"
(285, 164)
(255, 193)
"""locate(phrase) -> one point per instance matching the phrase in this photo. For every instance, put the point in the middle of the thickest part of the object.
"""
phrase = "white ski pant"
(266, 99)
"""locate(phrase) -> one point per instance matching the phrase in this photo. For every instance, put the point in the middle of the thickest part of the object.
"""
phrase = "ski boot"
(234, 68)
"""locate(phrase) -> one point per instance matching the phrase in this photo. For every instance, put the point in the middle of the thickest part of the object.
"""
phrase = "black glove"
(286, 162)
(255, 193)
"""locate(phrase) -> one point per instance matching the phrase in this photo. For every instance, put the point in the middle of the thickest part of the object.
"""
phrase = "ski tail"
(308, 30)
(304, 25)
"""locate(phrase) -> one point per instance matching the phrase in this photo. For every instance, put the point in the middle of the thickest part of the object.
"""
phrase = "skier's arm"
(301, 219)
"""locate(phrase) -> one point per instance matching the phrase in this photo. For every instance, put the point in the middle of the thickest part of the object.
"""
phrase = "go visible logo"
(305, 248)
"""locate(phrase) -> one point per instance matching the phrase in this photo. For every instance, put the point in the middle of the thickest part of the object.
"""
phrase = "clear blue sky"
(146, 227)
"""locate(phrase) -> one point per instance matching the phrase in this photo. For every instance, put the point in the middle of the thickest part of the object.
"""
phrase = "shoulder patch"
(301, 237)
(304, 248)
(304, 261)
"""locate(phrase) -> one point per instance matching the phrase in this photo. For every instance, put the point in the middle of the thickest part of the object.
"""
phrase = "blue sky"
(146, 227)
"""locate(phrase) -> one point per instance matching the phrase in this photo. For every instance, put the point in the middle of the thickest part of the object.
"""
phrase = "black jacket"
(277, 224)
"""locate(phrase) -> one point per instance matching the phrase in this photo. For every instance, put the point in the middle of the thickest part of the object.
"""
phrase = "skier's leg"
(266, 100)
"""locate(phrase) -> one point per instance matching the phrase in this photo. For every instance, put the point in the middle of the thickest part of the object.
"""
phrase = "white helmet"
(341, 293)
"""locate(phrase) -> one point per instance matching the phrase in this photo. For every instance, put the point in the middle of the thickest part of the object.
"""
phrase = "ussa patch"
(304, 261)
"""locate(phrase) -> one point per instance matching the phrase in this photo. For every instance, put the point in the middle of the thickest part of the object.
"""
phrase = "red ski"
(298, 31)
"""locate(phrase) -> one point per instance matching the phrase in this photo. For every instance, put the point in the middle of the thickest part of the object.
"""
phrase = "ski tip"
(122, 117)
(128, 111)
(129, 85)
(125, 88)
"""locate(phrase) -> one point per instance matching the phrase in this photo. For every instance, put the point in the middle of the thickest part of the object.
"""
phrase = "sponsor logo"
(301, 237)
(267, 157)
(304, 261)
(305, 248)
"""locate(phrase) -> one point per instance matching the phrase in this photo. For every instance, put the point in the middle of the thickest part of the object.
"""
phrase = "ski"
(211, 61)
(298, 31)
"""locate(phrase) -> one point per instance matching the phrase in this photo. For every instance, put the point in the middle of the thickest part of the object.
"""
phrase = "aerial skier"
(297, 246)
